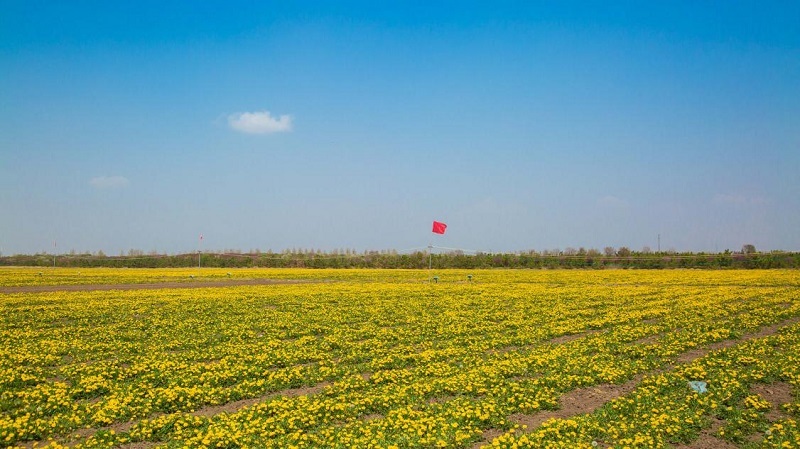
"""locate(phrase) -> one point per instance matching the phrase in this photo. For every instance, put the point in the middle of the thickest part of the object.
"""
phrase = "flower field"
(387, 358)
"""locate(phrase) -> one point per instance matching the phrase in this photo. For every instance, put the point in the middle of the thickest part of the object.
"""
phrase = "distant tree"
(609, 251)
(748, 249)
(593, 252)
(623, 251)
(570, 251)
(646, 250)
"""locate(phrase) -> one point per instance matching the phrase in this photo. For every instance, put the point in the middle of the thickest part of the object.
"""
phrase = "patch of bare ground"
(372, 416)
(771, 329)
(766, 331)
(118, 427)
(587, 400)
(696, 353)
(138, 445)
(650, 339)
(776, 394)
(232, 407)
(693, 354)
(487, 436)
(503, 350)
(160, 285)
(708, 439)
(441, 399)
(67, 441)
(571, 337)
(578, 402)
(208, 411)
(561, 339)
(58, 379)
(756, 437)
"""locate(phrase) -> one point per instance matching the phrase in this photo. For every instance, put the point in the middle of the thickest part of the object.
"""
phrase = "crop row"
(40, 276)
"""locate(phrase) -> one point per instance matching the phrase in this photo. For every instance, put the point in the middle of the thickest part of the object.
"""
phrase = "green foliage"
(622, 258)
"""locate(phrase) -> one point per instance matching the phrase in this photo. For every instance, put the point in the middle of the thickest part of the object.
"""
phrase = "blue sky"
(326, 125)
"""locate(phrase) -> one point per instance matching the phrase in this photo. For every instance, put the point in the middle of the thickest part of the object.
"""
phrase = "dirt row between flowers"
(154, 286)
(775, 393)
(235, 406)
(573, 403)
(587, 400)
(207, 411)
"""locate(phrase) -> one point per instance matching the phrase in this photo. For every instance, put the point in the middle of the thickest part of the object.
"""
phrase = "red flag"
(439, 227)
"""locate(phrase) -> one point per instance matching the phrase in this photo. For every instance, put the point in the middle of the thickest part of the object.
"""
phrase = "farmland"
(387, 358)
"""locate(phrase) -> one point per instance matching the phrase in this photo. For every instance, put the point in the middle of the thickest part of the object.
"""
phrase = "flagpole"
(438, 228)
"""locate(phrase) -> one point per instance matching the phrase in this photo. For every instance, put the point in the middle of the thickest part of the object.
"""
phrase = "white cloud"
(109, 182)
(260, 122)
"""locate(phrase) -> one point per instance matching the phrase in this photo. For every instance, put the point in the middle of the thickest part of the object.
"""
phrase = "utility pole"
(659, 243)
(199, 242)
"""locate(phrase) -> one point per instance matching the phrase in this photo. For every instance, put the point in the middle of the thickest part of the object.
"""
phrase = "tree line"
(591, 259)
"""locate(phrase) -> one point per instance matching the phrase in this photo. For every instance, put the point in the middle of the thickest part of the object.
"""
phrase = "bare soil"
(233, 407)
(578, 402)
(487, 436)
(138, 445)
(587, 400)
(568, 338)
(650, 339)
(776, 394)
(561, 339)
(688, 356)
(208, 411)
(708, 440)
